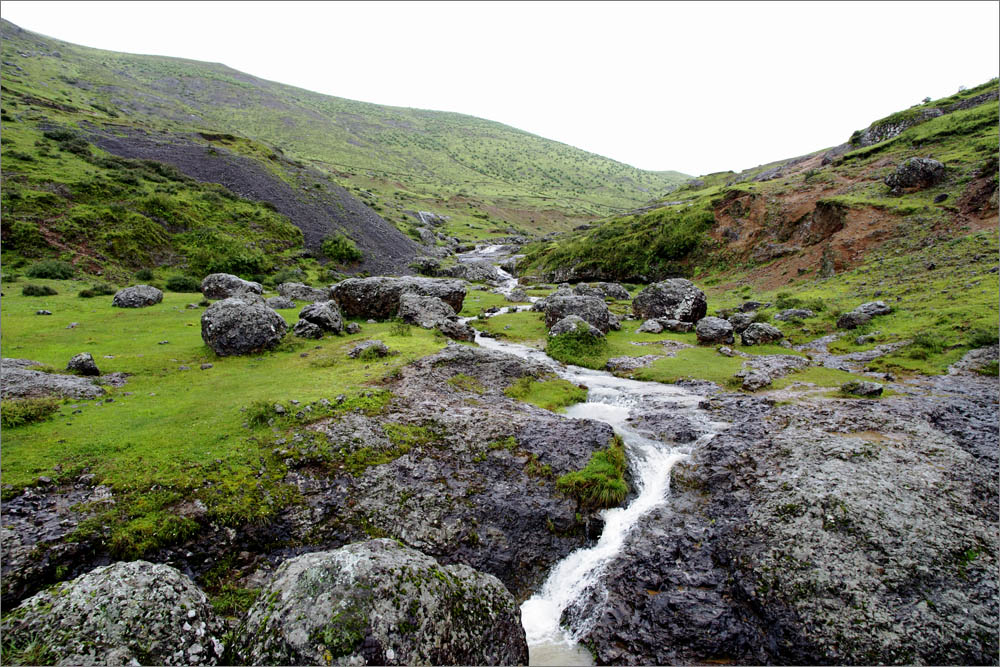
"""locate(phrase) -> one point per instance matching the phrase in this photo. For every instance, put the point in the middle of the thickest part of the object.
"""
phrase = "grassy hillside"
(491, 178)
(805, 218)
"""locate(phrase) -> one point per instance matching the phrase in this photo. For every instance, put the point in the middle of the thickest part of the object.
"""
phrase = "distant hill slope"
(486, 175)
(807, 217)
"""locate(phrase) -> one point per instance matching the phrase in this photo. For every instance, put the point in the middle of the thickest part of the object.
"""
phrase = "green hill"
(490, 179)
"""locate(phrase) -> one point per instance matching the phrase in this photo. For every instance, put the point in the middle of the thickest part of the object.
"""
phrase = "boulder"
(676, 299)
(476, 272)
(572, 323)
(613, 291)
(83, 364)
(794, 314)
(457, 330)
(225, 285)
(137, 296)
(381, 603)
(352, 328)
(428, 266)
(628, 364)
(916, 173)
(714, 330)
(128, 612)
(752, 306)
(583, 289)
(18, 380)
(592, 309)
(424, 311)
(759, 371)
(279, 303)
(858, 388)
(378, 298)
(760, 333)
(241, 326)
(650, 326)
(863, 314)
(361, 350)
(517, 296)
(741, 321)
(675, 325)
(303, 292)
(324, 314)
(306, 329)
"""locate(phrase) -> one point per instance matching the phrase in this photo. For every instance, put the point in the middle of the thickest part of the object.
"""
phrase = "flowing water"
(552, 624)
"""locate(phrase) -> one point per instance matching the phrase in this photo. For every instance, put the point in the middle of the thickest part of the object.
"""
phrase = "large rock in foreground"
(675, 299)
(134, 612)
(590, 308)
(380, 603)
(378, 298)
(137, 296)
(225, 285)
(240, 326)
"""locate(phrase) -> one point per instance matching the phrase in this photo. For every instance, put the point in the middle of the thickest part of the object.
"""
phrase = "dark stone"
(676, 299)
(378, 298)
(241, 326)
(714, 330)
(83, 364)
(137, 296)
(225, 285)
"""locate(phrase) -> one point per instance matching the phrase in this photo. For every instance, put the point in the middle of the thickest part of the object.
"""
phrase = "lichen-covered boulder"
(306, 329)
(324, 314)
(457, 330)
(613, 291)
(574, 323)
(137, 296)
(916, 173)
(303, 292)
(714, 330)
(859, 388)
(135, 612)
(424, 311)
(741, 321)
(583, 289)
(381, 603)
(369, 348)
(863, 314)
(760, 333)
(476, 272)
(279, 303)
(19, 380)
(517, 296)
(791, 314)
(225, 285)
(650, 326)
(83, 364)
(676, 299)
(592, 309)
(241, 326)
(378, 298)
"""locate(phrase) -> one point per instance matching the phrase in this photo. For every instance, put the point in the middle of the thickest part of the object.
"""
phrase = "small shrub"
(52, 269)
(602, 482)
(99, 289)
(183, 284)
(287, 275)
(144, 274)
(991, 368)
(578, 347)
(204, 303)
(399, 328)
(981, 338)
(16, 412)
(87, 294)
(38, 290)
(340, 248)
(259, 412)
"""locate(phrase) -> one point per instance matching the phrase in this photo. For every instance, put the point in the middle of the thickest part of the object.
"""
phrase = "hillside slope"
(808, 217)
(445, 162)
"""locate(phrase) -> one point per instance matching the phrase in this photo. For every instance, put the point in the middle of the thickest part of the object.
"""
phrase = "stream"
(553, 618)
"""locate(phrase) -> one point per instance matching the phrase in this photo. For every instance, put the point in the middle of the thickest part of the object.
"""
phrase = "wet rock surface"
(377, 602)
(120, 614)
(240, 326)
(378, 298)
(137, 296)
(821, 532)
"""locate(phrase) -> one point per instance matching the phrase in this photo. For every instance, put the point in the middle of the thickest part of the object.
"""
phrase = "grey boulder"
(859, 388)
(714, 330)
(137, 296)
(279, 303)
(378, 602)
(83, 364)
(324, 314)
(760, 333)
(675, 298)
(741, 321)
(583, 289)
(592, 309)
(306, 329)
(574, 323)
(129, 612)
(476, 272)
(794, 314)
(378, 298)
(613, 291)
(18, 380)
(424, 311)
(457, 330)
(368, 348)
(863, 314)
(916, 173)
(241, 326)
(303, 292)
(225, 285)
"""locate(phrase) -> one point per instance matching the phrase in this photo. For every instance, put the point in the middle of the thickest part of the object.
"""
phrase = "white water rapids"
(552, 638)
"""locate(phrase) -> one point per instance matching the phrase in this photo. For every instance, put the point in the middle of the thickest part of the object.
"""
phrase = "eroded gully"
(554, 618)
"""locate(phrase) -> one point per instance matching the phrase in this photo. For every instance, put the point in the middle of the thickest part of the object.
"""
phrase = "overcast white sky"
(694, 87)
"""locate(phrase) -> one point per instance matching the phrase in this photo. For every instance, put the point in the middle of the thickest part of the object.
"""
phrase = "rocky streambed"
(757, 528)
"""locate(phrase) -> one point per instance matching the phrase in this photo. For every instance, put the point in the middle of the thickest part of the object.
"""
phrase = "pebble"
(109, 356)
(183, 368)
(163, 342)
(72, 325)
(205, 367)
(43, 312)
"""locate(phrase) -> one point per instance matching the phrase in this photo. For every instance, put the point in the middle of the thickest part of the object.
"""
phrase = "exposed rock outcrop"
(381, 603)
